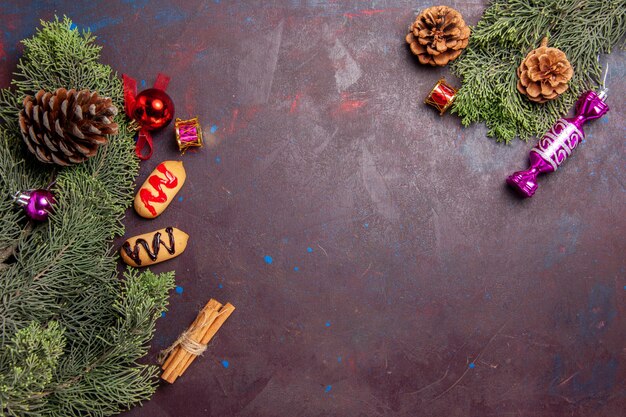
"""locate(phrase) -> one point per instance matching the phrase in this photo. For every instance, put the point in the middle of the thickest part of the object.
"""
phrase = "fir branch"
(84, 328)
(9, 104)
(508, 30)
(29, 362)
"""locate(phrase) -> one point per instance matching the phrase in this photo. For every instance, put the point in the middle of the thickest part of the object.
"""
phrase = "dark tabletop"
(378, 263)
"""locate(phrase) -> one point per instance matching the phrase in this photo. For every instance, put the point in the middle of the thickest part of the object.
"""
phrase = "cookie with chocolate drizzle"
(154, 247)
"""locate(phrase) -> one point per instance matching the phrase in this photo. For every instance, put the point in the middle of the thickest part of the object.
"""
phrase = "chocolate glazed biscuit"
(154, 247)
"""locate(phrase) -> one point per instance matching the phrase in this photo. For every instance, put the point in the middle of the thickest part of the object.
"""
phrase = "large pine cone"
(438, 35)
(544, 73)
(67, 126)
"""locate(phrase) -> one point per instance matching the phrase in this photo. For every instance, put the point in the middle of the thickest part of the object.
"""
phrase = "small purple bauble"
(37, 204)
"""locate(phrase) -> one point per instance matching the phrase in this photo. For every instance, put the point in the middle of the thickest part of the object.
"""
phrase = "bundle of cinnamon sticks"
(194, 340)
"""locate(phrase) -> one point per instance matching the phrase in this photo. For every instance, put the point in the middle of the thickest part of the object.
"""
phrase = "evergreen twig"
(508, 30)
(71, 331)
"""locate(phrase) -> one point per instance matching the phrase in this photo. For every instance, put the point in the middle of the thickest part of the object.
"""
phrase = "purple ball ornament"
(37, 204)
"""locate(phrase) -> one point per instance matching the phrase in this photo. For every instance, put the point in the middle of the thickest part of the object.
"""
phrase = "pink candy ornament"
(559, 142)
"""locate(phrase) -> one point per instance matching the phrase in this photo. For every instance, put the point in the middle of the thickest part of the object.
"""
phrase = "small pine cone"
(67, 126)
(544, 73)
(438, 35)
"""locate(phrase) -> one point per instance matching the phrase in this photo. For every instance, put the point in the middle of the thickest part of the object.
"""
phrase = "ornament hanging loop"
(606, 72)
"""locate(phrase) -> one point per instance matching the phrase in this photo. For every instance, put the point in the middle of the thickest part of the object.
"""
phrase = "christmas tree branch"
(508, 30)
(9, 251)
(72, 332)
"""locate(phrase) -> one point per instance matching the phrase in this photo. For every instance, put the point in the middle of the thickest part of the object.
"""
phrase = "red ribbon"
(130, 93)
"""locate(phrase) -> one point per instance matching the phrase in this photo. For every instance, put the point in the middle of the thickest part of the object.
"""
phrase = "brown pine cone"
(544, 73)
(438, 35)
(67, 126)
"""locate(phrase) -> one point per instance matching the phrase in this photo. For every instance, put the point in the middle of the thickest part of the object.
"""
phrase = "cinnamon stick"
(174, 369)
(210, 305)
(225, 312)
(194, 340)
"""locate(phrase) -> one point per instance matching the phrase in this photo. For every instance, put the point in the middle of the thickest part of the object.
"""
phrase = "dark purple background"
(428, 288)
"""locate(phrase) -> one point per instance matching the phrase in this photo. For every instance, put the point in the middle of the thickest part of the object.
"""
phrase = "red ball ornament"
(154, 109)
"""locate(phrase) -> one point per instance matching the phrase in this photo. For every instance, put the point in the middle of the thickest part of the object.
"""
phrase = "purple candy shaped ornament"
(559, 142)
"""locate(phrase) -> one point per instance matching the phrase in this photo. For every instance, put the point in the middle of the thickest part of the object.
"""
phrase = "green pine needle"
(71, 331)
(508, 30)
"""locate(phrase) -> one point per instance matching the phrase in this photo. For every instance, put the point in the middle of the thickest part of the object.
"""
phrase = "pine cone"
(67, 126)
(544, 73)
(438, 35)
